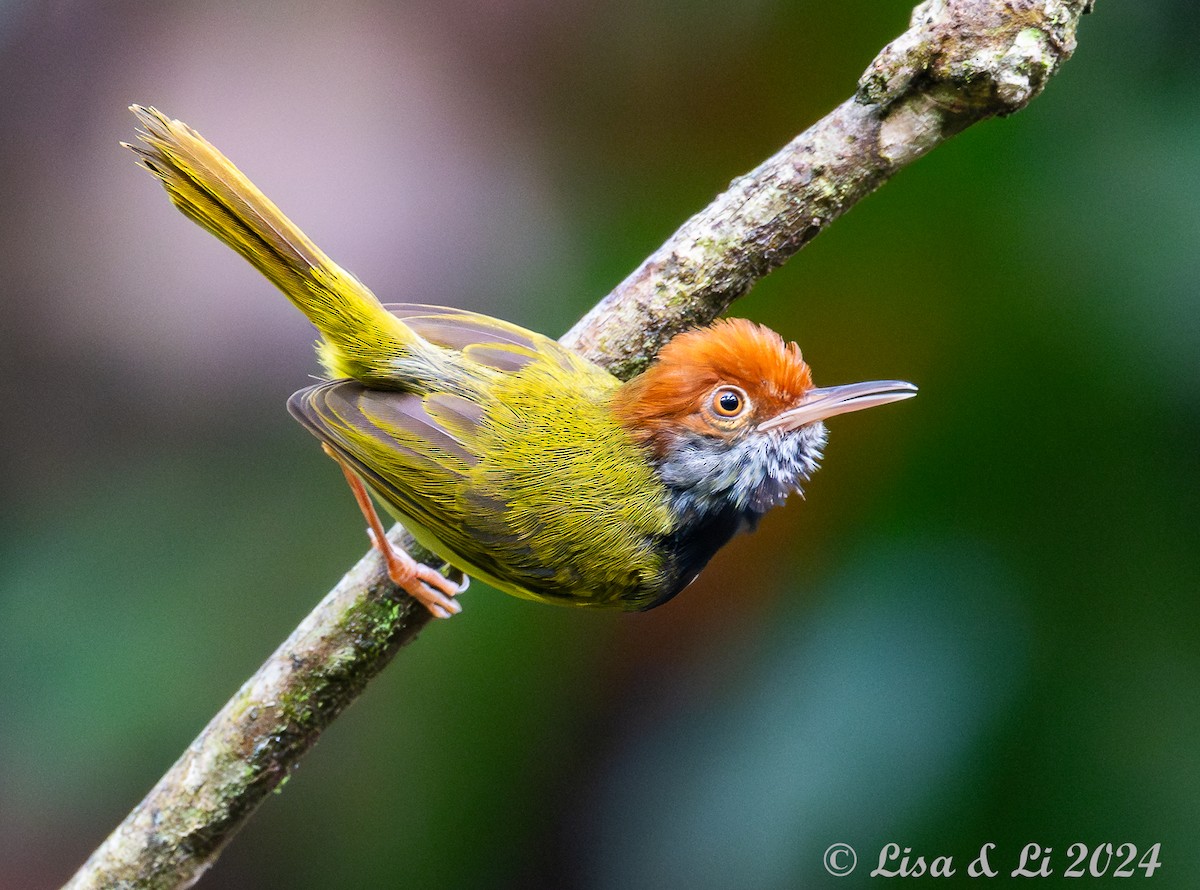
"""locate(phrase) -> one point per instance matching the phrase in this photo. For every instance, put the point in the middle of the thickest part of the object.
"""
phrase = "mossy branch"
(961, 61)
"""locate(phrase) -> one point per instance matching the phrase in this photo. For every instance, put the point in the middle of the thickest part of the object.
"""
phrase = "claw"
(423, 583)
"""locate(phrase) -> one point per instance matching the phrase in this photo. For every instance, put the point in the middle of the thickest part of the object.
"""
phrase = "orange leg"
(426, 585)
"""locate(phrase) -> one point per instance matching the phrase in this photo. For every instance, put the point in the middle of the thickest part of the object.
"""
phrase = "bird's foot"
(423, 583)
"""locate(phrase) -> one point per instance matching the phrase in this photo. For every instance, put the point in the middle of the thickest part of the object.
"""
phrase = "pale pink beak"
(828, 401)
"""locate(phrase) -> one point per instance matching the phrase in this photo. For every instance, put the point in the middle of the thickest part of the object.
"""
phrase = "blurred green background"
(981, 625)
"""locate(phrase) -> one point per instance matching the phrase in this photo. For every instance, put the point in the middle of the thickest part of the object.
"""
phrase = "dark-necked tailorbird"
(513, 458)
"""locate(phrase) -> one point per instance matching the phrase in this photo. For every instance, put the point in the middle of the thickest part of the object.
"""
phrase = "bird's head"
(731, 418)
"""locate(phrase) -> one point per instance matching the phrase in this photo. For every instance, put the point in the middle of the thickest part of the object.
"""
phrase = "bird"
(511, 457)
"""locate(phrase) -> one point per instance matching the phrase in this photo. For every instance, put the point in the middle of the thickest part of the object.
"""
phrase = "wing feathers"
(498, 344)
(360, 421)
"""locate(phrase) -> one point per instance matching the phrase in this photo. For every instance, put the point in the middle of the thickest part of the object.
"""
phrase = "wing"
(412, 450)
(489, 341)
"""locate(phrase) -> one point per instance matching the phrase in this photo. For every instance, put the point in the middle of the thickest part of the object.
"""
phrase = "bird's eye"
(729, 401)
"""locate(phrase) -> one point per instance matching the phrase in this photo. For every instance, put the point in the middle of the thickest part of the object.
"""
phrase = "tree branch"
(961, 61)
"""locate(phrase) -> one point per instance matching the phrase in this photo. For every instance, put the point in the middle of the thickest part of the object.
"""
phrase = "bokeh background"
(980, 626)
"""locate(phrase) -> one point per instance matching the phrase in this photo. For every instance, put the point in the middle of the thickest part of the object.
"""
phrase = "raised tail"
(361, 339)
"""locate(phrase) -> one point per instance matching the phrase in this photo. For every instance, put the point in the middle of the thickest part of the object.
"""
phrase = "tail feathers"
(361, 338)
